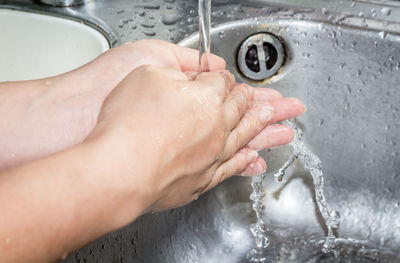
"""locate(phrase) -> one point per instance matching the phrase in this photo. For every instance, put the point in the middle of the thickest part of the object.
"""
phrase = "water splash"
(258, 229)
(313, 164)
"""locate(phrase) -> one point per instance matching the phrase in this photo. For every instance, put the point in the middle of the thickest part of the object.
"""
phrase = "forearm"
(51, 207)
(45, 116)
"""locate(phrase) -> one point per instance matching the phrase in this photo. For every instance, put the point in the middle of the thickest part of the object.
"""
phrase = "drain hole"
(271, 55)
(260, 56)
(252, 59)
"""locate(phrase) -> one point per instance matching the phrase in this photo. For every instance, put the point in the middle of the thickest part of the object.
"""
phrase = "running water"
(204, 34)
(258, 229)
(312, 163)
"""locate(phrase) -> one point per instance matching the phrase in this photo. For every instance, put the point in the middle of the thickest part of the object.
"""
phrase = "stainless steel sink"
(342, 59)
(346, 69)
(347, 75)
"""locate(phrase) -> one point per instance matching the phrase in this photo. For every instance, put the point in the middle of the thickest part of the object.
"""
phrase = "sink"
(341, 59)
(347, 75)
(346, 68)
(37, 46)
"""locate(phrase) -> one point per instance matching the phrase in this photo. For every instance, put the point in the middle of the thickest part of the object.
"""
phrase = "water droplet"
(141, 13)
(306, 55)
(221, 34)
(149, 6)
(386, 11)
(125, 22)
(219, 13)
(348, 88)
(382, 34)
(149, 33)
(363, 146)
(148, 23)
(332, 34)
(170, 18)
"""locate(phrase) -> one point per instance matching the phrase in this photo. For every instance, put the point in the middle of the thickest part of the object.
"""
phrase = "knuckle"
(221, 175)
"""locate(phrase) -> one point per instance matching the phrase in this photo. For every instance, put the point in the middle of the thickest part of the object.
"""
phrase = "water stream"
(204, 34)
(311, 162)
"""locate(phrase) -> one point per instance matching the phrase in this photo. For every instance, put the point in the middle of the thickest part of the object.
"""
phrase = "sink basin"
(348, 78)
(36, 46)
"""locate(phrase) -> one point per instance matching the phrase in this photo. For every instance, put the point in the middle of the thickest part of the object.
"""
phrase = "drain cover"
(260, 56)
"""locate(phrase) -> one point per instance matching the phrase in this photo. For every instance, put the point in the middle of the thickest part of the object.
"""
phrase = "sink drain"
(260, 56)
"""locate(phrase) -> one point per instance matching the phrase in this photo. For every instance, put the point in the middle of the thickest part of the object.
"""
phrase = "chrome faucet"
(63, 3)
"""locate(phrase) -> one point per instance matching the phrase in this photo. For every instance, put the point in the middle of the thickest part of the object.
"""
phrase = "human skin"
(42, 117)
(159, 139)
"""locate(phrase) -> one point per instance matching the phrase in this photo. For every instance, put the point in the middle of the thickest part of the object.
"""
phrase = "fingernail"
(260, 169)
(252, 156)
(298, 102)
(266, 114)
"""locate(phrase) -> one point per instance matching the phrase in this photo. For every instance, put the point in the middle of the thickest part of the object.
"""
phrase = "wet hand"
(114, 65)
(175, 135)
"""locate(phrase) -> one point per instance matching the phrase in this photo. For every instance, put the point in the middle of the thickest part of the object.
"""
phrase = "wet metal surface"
(343, 61)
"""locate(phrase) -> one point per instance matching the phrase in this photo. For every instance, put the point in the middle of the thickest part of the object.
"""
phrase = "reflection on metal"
(62, 3)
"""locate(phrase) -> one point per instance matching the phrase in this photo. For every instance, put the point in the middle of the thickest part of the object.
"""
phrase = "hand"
(56, 113)
(162, 138)
(112, 66)
(175, 135)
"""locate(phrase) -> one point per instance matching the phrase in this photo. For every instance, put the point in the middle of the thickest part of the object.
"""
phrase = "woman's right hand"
(171, 136)
(162, 138)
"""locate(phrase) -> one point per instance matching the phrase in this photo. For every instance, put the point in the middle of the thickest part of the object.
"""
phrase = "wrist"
(119, 173)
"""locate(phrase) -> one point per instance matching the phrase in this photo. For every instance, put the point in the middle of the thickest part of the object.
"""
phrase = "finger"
(191, 75)
(257, 167)
(286, 108)
(222, 81)
(272, 136)
(254, 120)
(236, 165)
(189, 58)
(236, 105)
(266, 94)
(170, 73)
